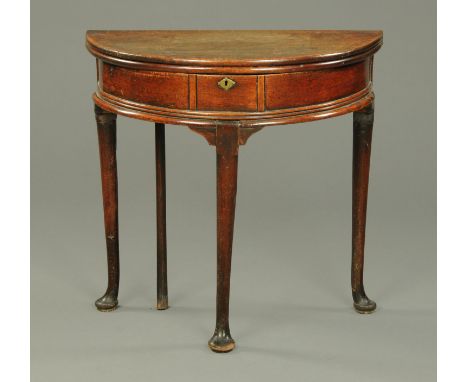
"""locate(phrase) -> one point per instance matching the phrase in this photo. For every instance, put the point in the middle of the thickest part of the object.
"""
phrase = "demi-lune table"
(227, 85)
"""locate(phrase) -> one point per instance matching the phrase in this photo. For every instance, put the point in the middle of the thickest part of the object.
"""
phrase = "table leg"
(162, 301)
(362, 139)
(106, 127)
(226, 163)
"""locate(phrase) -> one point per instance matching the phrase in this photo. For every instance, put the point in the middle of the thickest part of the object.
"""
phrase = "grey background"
(291, 307)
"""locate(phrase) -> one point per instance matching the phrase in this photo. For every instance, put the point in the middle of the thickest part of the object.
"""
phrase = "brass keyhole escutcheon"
(226, 83)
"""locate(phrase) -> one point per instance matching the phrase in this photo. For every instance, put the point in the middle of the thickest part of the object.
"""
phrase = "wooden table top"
(254, 78)
(233, 47)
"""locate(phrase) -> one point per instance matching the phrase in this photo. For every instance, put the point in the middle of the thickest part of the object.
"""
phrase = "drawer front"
(152, 88)
(211, 95)
(319, 86)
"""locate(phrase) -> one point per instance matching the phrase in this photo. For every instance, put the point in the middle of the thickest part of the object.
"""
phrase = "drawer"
(148, 87)
(242, 96)
(308, 88)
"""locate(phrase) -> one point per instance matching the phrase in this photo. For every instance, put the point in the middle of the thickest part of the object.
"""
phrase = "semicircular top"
(233, 47)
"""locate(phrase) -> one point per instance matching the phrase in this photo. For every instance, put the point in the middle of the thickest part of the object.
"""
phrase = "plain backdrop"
(291, 306)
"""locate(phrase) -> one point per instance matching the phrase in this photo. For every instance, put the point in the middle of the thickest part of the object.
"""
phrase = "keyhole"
(226, 83)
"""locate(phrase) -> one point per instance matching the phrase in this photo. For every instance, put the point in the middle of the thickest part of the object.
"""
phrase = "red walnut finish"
(226, 86)
(107, 153)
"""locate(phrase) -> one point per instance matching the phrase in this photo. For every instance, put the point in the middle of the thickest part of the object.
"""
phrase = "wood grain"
(314, 87)
(192, 92)
(232, 47)
(241, 97)
(363, 121)
(106, 127)
(146, 87)
(227, 149)
(261, 93)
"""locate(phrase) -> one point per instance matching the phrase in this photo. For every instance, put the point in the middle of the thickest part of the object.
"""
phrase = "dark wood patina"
(225, 86)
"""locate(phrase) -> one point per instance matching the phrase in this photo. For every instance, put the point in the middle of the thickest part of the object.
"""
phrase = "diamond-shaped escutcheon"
(226, 83)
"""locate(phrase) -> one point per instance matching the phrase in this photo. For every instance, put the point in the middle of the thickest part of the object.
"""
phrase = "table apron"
(249, 97)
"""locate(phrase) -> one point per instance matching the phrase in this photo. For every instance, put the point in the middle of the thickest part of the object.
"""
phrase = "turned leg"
(226, 163)
(362, 138)
(162, 301)
(106, 127)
